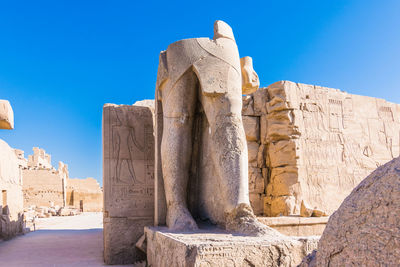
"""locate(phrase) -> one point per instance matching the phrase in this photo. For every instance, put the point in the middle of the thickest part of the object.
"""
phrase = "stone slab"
(296, 226)
(321, 143)
(6, 115)
(214, 247)
(128, 179)
(119, 235)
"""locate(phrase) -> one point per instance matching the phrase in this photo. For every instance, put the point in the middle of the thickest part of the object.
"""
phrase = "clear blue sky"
(60, 61)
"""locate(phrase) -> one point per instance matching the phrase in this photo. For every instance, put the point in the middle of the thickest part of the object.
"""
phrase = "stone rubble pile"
(46, 212)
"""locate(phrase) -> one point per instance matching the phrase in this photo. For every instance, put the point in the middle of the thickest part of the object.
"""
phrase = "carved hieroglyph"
(216, 248)
(320, 143)
(128, 178)
(365, 230)
(201, 152)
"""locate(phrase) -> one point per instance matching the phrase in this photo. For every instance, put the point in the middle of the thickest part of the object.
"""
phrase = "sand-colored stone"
(364, 231)
(203, 137)
(320, 143)
(43, 184)
(11, 201)
(128, 179)
(84, 194)
(6, 115)
(296, 226)
(213, 247)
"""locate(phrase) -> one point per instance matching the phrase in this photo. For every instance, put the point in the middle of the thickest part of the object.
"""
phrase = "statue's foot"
(242, 220)
(180, 219)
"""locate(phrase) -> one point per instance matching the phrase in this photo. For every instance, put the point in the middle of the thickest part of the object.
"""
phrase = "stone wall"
(316, 144)
(42, 186)
(11, 201)
(84, 194)
(128, 179)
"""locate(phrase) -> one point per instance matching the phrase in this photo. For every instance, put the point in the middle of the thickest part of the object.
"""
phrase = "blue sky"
(60, 61)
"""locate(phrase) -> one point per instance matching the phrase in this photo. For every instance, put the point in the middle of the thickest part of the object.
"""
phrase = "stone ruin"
(364, 231)
(308, 147)
(49, 191)
(11, 200)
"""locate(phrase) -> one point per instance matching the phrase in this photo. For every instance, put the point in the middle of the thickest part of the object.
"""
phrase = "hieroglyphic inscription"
(343, 137)
(129, 161)
(128, 179)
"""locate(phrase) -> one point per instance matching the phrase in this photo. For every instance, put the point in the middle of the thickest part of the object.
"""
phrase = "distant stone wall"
(84, 194)
(42, 186)
(316, 143)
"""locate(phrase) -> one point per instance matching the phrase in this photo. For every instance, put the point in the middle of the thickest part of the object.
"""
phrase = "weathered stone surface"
(6, 115)
(252, 148)
(248, 105)
(84, 194)
(320, 143)
(11, 201)
(42, 186)
(128, 179)
(216, 248)
(256, 181)
(120, 236)
(202, 160)
(365, 230)
(251, 126)
(296, 226)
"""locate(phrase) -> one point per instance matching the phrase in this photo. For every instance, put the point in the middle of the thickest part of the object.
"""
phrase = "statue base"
(215, 247)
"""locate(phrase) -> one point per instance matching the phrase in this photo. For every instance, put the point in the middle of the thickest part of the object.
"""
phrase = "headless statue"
(208, 72)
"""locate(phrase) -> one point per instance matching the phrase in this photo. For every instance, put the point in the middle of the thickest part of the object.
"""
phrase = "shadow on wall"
(10, 228)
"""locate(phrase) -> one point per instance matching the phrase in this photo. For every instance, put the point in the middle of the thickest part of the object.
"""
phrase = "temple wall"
(84, 194)
(317, 143)
(42, 186)
(128, 179)
(11, 200)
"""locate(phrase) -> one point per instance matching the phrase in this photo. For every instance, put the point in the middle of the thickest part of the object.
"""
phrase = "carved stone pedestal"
(214, 247)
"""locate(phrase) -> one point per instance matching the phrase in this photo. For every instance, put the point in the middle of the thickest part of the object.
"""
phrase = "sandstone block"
(332, 140)
(215, 248)
(6, 115)
(252, 128)
(365, 231)
(248, 105)
(256, 181)
(282, 153)
(257, 203)
(260, 98)
(252, 148)
(128, 178)
(119, 238)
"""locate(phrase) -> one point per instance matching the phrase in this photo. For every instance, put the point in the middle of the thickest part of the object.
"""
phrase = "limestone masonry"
(306, 144)
(364, 231)
(45, 186)
(128, 178)
(11, 201)
(316, 143)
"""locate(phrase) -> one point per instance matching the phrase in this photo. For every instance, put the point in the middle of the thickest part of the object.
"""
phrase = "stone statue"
(210, 73)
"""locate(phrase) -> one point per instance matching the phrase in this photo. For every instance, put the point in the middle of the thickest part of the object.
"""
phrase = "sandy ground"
(58, 241)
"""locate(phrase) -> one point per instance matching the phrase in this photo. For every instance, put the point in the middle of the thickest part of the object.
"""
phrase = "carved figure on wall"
(124, 144)
(208, 72)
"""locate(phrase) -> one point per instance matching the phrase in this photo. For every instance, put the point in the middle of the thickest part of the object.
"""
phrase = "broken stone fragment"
(6, 115)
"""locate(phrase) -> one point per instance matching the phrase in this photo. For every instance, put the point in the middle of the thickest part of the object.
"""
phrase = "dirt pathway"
(58, 241)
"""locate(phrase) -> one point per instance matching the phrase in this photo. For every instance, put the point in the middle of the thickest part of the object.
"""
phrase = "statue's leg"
(230, 156)
(179, 104)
